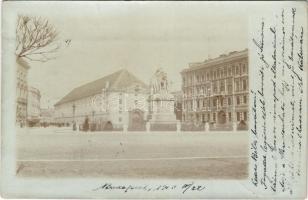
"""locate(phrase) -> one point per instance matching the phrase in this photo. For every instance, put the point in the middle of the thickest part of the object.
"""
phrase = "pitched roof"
(117, 80)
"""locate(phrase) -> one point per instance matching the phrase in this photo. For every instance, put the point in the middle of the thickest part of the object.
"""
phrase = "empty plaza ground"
(60, 152)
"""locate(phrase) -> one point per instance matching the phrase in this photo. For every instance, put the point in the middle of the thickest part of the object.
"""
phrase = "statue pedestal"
(162, 112)
(234, 126)
(206, 127)
(125, 128)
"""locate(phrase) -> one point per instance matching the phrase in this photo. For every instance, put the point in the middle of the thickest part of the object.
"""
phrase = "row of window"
(22, 93)
(240, 85)
(213, 118)
(239, 69)
(21, 75)
(238, 116)
(217, 101)
(135, 99)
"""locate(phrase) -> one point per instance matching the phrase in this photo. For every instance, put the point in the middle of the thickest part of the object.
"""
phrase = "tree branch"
(35, 36)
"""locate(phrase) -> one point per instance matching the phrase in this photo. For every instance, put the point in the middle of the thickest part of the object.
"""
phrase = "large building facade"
(216, 91)
(47, 117)
(120, 99)
(22, 68)
(33, 106)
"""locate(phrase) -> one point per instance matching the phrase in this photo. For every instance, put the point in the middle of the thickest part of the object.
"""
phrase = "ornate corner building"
(216, 91)
(22, 68)
(33, 106)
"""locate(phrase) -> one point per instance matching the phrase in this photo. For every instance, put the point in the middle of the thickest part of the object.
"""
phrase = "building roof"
(118, 80)
(223, 58)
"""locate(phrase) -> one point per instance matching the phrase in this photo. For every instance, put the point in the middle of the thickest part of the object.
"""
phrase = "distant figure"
(74, 126)
(86, 124)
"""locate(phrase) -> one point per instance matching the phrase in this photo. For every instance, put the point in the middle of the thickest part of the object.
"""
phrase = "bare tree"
(36, 39)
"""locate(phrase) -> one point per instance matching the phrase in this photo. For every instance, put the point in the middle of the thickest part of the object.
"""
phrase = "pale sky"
(140, 37)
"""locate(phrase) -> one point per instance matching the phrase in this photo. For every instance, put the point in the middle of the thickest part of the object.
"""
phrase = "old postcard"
(154, 100)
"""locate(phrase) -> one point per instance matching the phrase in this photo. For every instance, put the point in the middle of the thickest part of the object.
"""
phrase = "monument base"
(162, 117)
(163, 122)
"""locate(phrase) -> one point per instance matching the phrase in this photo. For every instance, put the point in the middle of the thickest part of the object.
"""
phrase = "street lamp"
(74, 123)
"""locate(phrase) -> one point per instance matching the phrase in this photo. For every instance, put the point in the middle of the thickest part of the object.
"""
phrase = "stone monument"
(161, 102)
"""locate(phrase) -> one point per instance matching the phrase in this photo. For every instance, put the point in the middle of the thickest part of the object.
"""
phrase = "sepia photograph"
(134, 93)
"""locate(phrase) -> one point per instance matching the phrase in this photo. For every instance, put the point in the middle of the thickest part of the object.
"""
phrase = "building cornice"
(225, 58)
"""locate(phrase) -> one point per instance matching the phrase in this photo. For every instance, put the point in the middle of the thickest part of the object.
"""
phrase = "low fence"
(184, 127)
(163, 127)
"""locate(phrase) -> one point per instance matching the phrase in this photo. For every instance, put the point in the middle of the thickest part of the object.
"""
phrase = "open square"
(60, 152)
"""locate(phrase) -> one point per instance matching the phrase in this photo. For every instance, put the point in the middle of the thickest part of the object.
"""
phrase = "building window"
(230, 116)
(237, 85)
(120, 119)
(208, 117)
(214, 117)
(229, 88)
(222, 86)
(214, 102)
(244, 85)
(229, 101)
(238, 116)
(221, 102)
(244, 68)
(237, 70)
(245, 116)
(244, 99)
(238, 101)
(215, 87)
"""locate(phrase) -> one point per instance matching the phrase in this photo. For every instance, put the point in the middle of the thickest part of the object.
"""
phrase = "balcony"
(22, 100)
(219, 93)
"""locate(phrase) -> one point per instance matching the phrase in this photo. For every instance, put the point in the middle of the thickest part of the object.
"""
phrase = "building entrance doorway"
(136, 120)
(221, 117)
